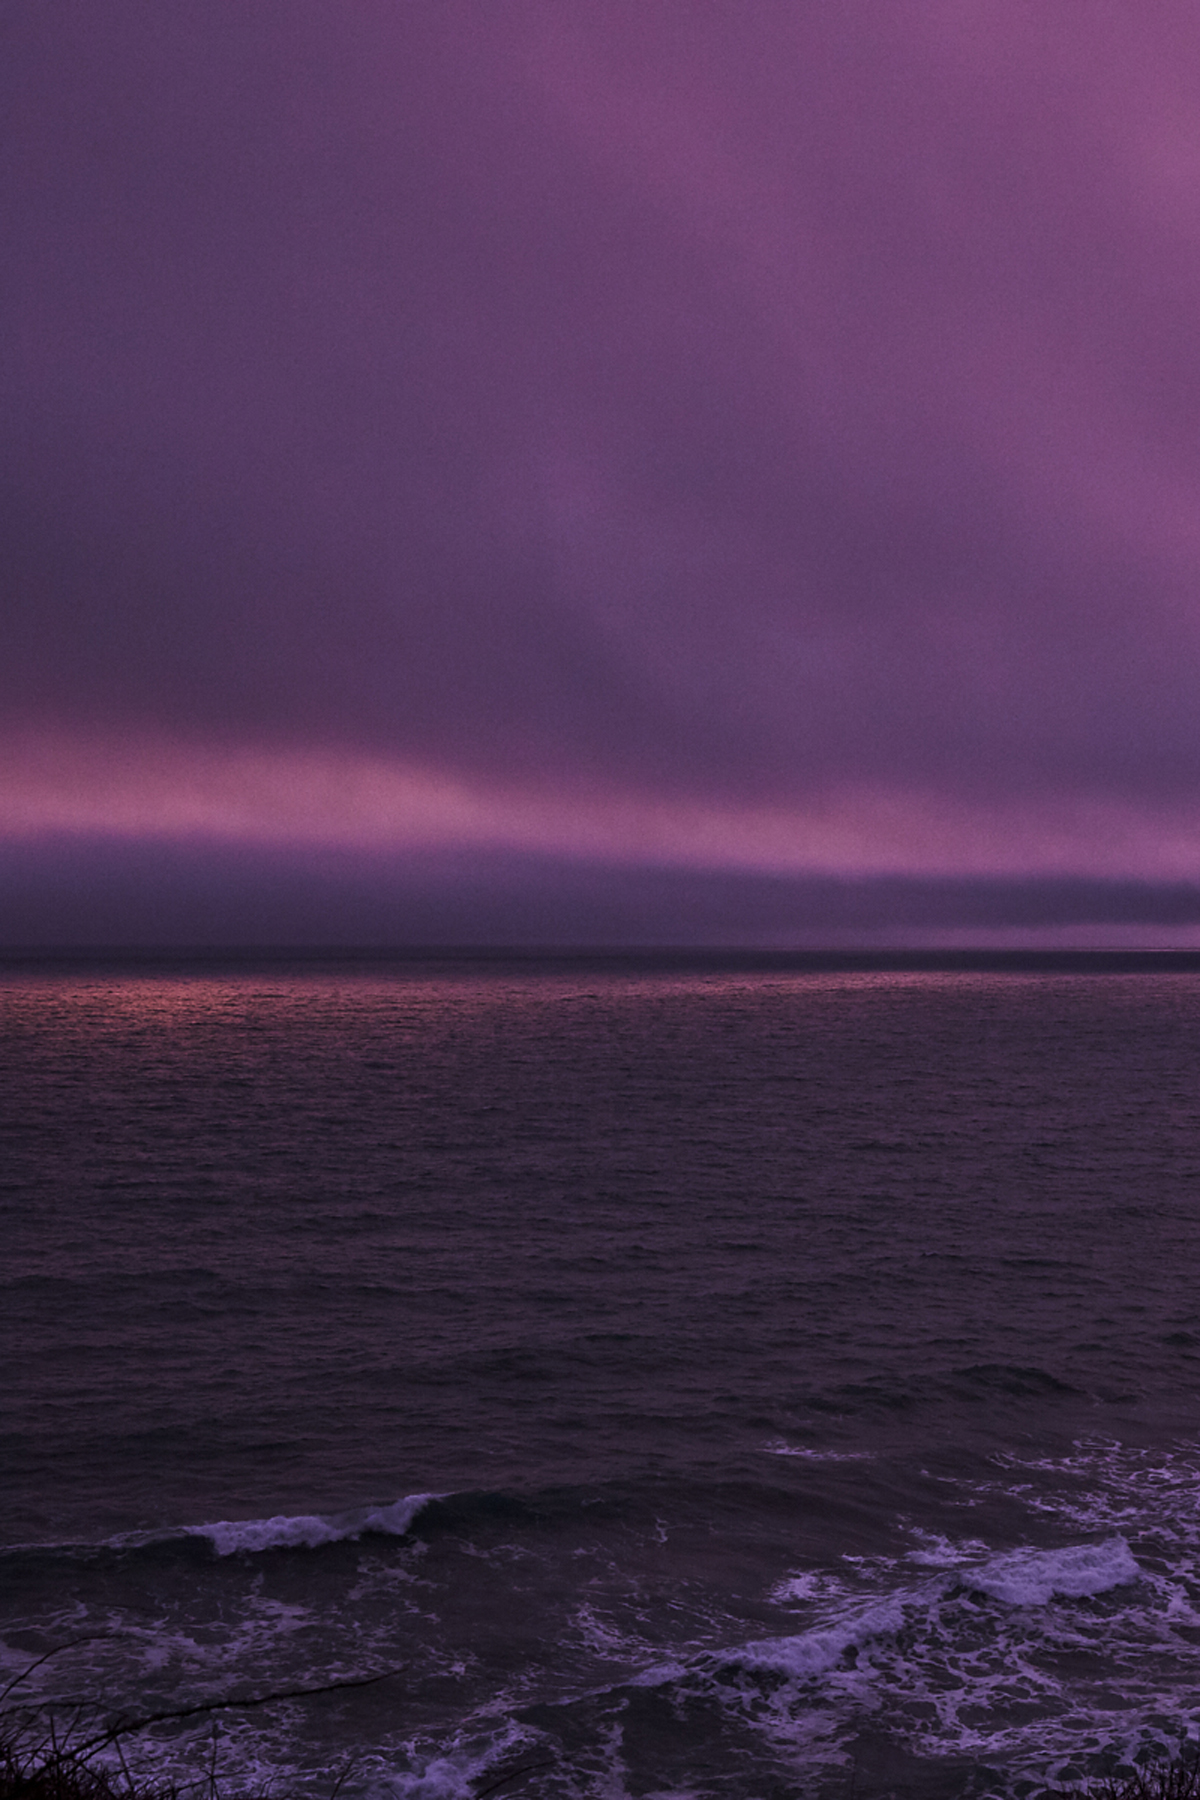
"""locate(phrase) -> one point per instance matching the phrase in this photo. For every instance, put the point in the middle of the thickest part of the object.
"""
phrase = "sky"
(460, 456)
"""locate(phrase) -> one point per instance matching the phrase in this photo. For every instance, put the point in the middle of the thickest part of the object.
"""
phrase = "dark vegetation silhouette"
(59, 1750)
(56, 1750)
(1159, 1780)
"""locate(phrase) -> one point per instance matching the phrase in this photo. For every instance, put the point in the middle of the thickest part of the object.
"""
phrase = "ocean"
(648, 1377)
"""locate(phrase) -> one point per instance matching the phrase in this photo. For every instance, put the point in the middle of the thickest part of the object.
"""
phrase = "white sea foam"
(1109, 1486)
(309, 1530)
(806, 1454)
(1034, 1577)
(808, 1588)
(454, 1775)
(940, 1552)
(1015, 1578)
(814, 1652)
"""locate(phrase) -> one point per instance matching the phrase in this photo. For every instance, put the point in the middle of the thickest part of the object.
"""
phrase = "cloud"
(630, 432)
(148, 789)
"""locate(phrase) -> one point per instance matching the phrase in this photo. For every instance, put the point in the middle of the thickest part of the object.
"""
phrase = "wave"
(977, 1384)
(444, 1511)
(1017, 1578)
(814, 1652)
(308, 1531)
(806, 1454)
(1014, 1380)
(972, 1657)
(1034, 1577)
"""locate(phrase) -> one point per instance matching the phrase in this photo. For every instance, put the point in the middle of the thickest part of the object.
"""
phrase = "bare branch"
(340, 1783)
(71, 1644)
(123, 1726)
(526, 1769)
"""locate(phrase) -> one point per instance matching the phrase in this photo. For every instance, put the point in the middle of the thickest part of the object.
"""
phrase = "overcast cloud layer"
(662, 431)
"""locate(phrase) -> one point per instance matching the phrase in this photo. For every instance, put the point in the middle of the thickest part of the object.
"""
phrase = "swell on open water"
(672, 1382)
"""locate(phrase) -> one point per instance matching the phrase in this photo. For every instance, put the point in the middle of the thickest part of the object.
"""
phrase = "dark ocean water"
(689, 1383)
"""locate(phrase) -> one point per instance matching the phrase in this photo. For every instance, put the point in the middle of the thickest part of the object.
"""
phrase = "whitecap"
(1034, 1577)
(815, 1652)
(307, 1531)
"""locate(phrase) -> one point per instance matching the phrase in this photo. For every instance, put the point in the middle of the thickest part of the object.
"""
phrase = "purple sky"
(664, 433)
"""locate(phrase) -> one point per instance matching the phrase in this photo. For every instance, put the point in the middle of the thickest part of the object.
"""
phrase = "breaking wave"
(1016, 1578)
(307, 1531)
